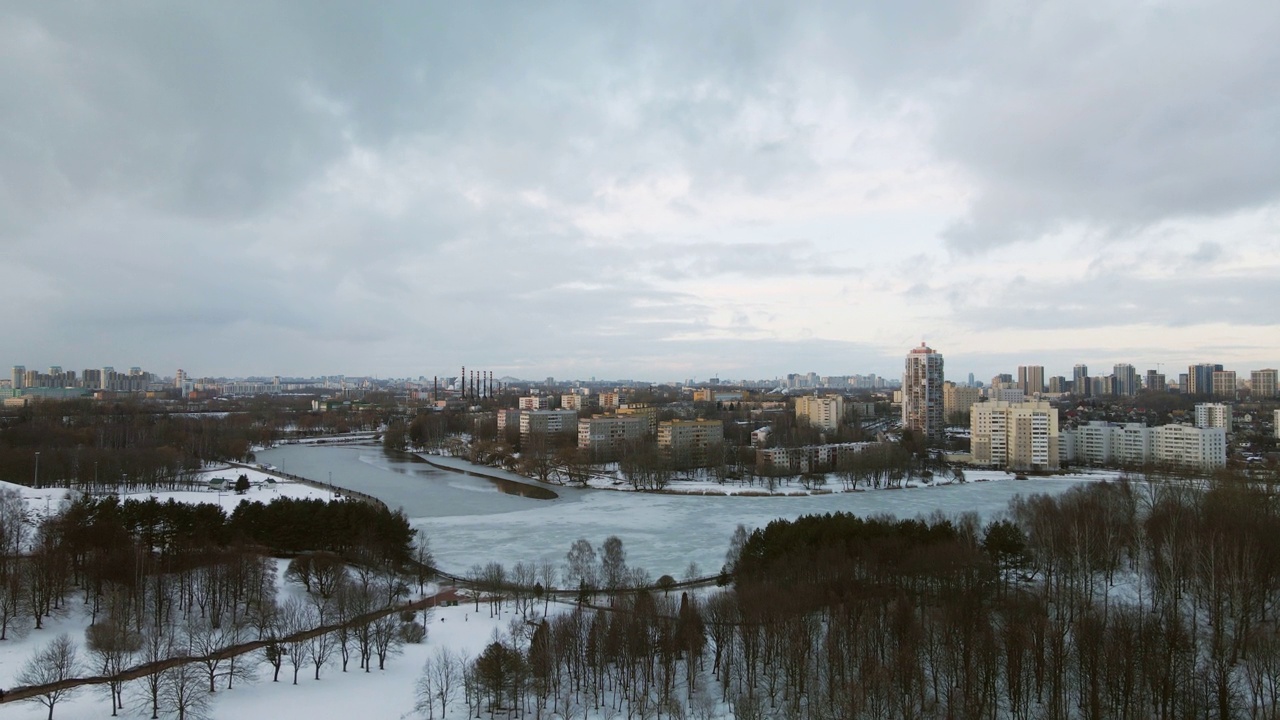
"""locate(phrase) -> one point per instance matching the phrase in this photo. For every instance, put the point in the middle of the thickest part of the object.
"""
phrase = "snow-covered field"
(375, 695)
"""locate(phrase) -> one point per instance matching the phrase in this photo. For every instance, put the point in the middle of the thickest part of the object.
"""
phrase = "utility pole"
(36, 481)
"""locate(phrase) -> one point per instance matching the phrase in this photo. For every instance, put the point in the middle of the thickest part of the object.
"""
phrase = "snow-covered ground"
(45, 500)
(375, 695)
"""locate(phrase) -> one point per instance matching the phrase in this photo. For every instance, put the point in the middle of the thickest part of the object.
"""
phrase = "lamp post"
(36, 481)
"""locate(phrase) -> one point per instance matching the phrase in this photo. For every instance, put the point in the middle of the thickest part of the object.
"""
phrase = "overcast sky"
(639, 190)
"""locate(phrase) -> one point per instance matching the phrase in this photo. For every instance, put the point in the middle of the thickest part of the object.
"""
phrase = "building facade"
(1203, 448)
(958, 398)
(689, 443)
(1017, 436)
(922, 407)
(824, 413)
(1224, 383)
(547, 422)
(1262, 384)
(605, 436)
(1213, 415)
(1031, 379)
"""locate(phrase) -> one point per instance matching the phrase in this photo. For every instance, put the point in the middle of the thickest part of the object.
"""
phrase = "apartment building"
(1213, 415)
(689, 443)
(1018, 436)
(547, 422)
(1205, 448)
(605, 436)
(824, 413)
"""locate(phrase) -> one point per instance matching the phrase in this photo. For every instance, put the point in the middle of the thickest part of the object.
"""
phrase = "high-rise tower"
(922, 409)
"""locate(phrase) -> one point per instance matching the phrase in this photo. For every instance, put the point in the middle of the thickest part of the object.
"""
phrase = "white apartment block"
(823, 413)
(547, 422)
(1102, 443)
(1275, 423)
(1205, 448)
(535, 402)
(604, 436)
(1213, 415)
(1018, 436)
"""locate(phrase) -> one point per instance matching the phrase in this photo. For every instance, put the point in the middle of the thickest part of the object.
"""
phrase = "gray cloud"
(1115, 119)
(327, 186)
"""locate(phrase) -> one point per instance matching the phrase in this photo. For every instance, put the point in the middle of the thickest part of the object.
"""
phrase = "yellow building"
(1017, 436)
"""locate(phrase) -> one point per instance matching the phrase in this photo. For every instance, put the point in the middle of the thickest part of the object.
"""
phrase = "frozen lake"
(469, 521)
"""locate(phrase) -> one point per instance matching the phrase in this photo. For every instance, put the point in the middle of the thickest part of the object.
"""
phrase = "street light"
(36, 482)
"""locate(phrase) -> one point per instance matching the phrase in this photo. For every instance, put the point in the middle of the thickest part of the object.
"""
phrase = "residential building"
(1018, 436)
(922, 410)
(547, 422)
(610, 401)
(1080, 381)
(689, 443)
(1155, 381)
(508, 417)
(574, 401)
(1031, 379)
(1200, 379)
(1102, 443)
(1262, 384)
(824, 413)
(958, 398)
(605, 436)
(1275, 423)
(1057, 384)
(642, 410)
(1204, 448)
(810, 458)
(1124, 380)
(535, 402)
(1100, 386)
(1224, 383)
(1006, 394)
(18, 376)
(1213, 415)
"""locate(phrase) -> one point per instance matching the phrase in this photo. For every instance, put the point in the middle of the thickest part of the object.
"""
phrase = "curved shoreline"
(487, 476)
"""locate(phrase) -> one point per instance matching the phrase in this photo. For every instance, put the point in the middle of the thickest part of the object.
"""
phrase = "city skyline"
(650, 191)
(1168, 374)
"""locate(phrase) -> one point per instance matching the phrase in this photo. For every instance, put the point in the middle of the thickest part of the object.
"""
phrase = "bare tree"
(183, 693)
(53, 663)
(440, 682)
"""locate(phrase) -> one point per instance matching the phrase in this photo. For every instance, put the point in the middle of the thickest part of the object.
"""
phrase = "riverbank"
(466, 467)
(337, 491)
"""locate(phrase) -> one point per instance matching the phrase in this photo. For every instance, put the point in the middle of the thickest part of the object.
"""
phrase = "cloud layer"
(667, 190)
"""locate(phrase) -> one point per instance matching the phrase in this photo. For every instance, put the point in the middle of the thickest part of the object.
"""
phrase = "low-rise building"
(809, 458)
